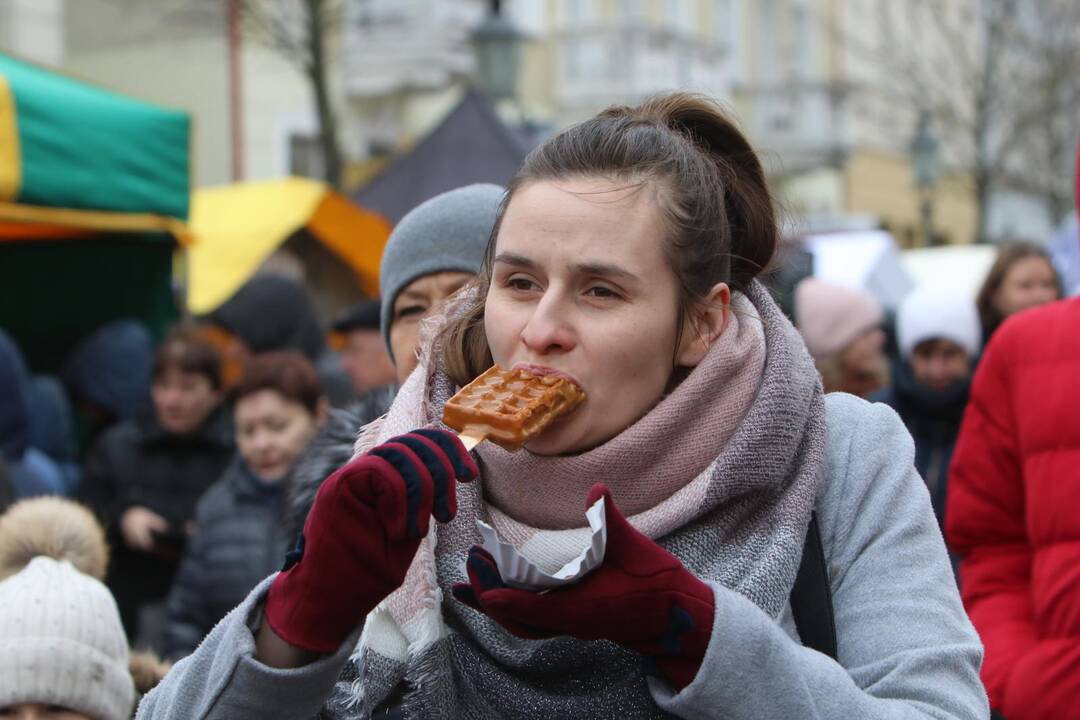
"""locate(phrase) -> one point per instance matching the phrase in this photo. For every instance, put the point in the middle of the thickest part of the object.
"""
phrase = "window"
(802, 40)
(768, 47)
(579, 12)
(679, 14)
(632, 10)
(305, 156)
(723, 21)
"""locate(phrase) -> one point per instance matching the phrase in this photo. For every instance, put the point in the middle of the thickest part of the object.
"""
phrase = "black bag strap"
(811, 597)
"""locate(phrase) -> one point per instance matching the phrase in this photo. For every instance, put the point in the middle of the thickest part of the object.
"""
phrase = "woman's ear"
(704, 326)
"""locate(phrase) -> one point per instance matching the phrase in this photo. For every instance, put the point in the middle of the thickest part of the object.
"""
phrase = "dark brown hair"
(708, 181)
(288, 373)
(186, 350)
(1008, 255)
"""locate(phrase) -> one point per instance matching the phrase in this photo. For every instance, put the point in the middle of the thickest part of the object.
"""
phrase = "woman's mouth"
(542, 370)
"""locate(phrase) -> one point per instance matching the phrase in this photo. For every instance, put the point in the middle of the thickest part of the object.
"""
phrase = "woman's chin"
(558, 440)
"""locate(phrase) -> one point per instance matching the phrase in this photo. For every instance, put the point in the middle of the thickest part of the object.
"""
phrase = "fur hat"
(61, 640)
(449, 232)
(831, 316)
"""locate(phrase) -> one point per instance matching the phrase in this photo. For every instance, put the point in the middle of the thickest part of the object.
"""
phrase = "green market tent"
(94, 193)
(66, 144)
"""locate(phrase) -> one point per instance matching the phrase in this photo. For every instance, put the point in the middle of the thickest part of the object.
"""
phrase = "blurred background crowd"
(222, 224)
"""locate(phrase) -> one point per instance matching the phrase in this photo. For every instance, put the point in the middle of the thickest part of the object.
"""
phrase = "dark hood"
(14, 401)
(52, 425)
(112, 367)
(273, 313)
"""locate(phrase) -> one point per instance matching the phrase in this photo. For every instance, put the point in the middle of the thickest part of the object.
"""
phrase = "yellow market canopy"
(237, 227)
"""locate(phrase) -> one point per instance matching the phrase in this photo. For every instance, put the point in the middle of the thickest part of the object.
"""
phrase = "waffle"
(510, 406)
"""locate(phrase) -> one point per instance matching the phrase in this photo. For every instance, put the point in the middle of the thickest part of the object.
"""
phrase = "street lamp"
(926, 161)
(497, 44)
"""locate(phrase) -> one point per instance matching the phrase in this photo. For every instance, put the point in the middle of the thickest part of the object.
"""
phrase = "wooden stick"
(470, 441)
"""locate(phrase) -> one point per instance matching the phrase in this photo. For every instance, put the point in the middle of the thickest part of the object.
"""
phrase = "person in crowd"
(432, 253)
(842, 330)
(273, 313)
(63, 651)
(238, 537)
(108, 377)
(30, 471)
(363, 354)
(436, 248)
(145, 475)
(625, 260)
(1011, 513)
(52, 428)
(1022, 276)
(938, 334)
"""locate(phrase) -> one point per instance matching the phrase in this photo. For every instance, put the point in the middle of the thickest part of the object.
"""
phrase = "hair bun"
(54, 527)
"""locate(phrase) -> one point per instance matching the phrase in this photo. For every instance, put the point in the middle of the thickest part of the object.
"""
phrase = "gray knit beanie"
(449, 232)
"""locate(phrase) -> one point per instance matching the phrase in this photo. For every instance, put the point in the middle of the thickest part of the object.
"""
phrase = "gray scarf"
(746, 535)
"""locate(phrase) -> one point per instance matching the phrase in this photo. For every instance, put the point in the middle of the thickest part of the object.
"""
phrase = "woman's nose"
(261, 441)
(939, 366)
(548, 328)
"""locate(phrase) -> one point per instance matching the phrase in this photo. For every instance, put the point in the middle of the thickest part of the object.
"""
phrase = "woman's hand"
(138, 525)
(640, 597)
(361, 535)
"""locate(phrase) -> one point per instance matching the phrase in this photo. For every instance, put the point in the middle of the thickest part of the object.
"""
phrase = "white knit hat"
(929, 313)
(61, 639)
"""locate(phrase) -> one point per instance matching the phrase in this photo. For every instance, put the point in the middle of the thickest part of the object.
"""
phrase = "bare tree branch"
(1001, 80)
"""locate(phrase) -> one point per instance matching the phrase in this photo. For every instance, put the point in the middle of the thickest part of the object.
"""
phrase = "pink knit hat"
(831, 316)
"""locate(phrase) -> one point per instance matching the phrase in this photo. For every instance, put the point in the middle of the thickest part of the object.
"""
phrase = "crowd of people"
(151, 492)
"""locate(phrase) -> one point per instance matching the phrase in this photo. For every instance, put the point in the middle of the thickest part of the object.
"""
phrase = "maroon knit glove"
(361, 535)
(640, 597)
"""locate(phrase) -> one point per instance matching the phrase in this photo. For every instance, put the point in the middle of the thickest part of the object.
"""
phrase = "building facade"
(811, 81)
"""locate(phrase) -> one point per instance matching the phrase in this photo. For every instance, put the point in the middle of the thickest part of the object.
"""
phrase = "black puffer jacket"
(138, 463)
(238, 541)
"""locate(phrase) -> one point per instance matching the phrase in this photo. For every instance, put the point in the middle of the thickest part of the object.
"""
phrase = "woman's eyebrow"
(514, 259)
(412, 295)
(605, 270)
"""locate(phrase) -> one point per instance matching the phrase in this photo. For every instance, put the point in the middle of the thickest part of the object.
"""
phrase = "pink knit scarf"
(652, 459)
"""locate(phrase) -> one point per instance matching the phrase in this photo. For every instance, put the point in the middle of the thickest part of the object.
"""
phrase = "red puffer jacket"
(1013, 513)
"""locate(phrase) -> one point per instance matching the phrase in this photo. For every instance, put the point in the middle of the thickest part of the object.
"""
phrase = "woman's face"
(39, 711)
(183, 400)
(1029, 282)
(271, 432)
(420, 299)
(939, 363)
(580, 287)
(864, 365)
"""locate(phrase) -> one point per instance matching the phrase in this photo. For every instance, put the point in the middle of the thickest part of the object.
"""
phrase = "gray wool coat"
(906, 649)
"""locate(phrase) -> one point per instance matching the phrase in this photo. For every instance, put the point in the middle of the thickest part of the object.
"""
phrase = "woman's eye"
(599, 291)
(409, 311)
(520, 283)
